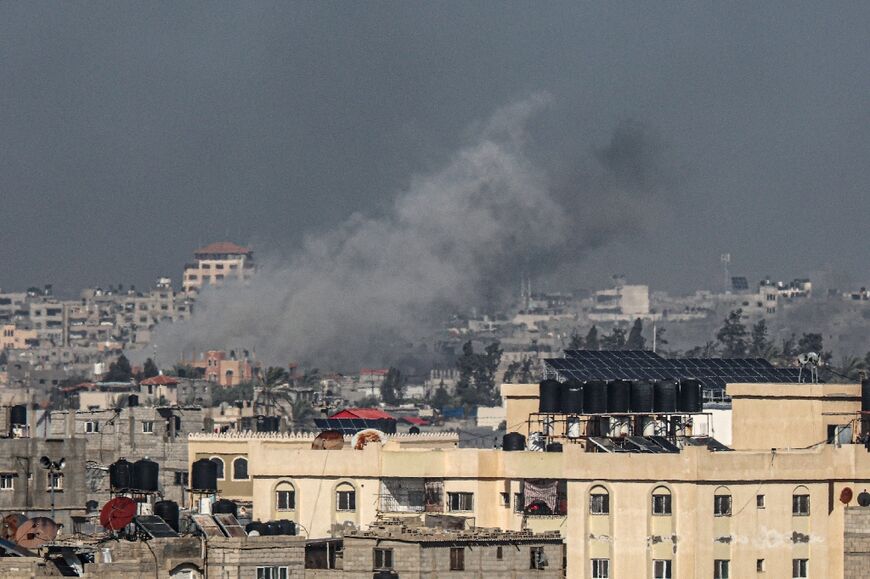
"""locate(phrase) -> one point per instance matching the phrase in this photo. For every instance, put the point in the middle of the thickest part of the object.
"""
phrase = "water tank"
(513, 441)
(864, 498)
(258, 527)
(550, 394)
(665, 396)
(273, 528)
(865, 395)
(203, 476)
(413, 430)
(18, 415)
(268, 423)
(223, 507)
(537, 441)
(146, 475)
(554, 447)
(690, 399)
(121, 475)
(641, 396)
(595, 397)
(573, 427)
(384, 574)
(618, 396)
(168, 511)
(287, 527)
(572, 397)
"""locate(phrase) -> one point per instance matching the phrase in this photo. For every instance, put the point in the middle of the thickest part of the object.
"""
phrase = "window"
(505, 499)
(92, 426)
(518, 502)
(599, 501)
(457, 558)
(272, 573)
(7, 482)
(722, 505)
(759, 501)
(600, 568)
(345, 498)
(721, 569)
(383, 558)
(759, 565)
(799, 568)
(181, 478)
(240, 469)
(662, 569)
(800, 505)
(661, 501)
(220, 466)
(55, 481)
(499, 553)
(148, 427)
(461, 501)
(285, 497)
(537, 558)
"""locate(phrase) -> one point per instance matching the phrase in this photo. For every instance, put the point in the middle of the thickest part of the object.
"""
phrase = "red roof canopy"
(366, 413)
(160, 380)
(223, 247)
(415, 420)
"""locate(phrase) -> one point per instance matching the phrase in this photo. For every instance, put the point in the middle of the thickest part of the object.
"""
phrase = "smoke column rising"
(456, 238)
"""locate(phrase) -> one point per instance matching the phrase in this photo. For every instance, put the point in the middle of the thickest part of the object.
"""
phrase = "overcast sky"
(131, 133)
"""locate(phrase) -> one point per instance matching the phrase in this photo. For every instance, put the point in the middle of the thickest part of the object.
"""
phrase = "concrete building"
(215, 263)
(622, 303)
(219, 367)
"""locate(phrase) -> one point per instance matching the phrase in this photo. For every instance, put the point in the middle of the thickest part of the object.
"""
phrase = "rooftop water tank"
(513, 441)
(146, 475)
(550, 397)
(641, 396)
(203, 476)
(618, 396)
(595, 397)
(665, 396)
(572, 397)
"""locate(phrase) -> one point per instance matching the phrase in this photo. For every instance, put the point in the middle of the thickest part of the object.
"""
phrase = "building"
(216, 263)
(622, 303)
(218, 367)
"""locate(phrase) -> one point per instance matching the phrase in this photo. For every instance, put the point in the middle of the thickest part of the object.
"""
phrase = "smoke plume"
(456, 238)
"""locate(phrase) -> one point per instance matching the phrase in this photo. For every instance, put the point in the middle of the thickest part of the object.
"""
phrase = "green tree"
(272, 389)
(732, 335)
(119, 370)
(511, 372)
(526, 374)
(592, 339)
(615, 340)
(576, 342)
(708, 350)
(635, 340)
(303, 414)
(393, 386)
(476, 384)
(811, 343)
(660, 337)
(149, 369)
(759, 343)
(441, 398)
(243, 391)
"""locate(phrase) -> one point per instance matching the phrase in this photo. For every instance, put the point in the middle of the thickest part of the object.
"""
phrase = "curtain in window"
(540, 490)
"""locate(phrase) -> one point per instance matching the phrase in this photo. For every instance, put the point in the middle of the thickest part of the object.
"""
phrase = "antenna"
(725, 258)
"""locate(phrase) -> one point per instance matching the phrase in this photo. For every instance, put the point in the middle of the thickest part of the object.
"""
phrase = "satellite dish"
(10, 526)
(328, 440)
(36, 532)
(803, 359)
(118, 513)
(363, 437)
(846, 495)
(45, 462)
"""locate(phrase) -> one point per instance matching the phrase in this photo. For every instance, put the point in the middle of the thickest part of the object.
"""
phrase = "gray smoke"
(456, 238)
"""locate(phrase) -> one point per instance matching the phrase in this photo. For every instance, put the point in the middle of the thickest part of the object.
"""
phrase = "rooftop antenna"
(725, 258)
(810, 362)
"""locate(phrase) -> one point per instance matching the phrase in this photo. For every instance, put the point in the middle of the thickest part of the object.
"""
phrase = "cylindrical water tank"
(287, 527)
(554, 447)
(865, 395)
(168, 511)
(146, 475)
(18, 415)
(203, 475)
(513, 441)
(273, 528)
(572, 427)
(121, 475)
(257, 527)
(550, 394)
(619, 426)
(648, 427)
(548, 424)
(618, 396)
(224, 507)
(690, 398)
(537, 440)
(641, 396)
(572, 397)
(864, 498)
(665, 396)
(595, 397)
(414, 430)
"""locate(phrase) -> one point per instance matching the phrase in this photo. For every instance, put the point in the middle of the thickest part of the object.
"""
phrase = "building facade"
(217, 263)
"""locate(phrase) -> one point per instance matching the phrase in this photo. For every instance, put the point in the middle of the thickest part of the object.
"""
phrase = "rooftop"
(223, 247)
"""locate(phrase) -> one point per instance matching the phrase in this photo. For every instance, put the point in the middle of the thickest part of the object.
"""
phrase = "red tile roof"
(160, 380)
(367, 413)
(415, 420)
(223, 247)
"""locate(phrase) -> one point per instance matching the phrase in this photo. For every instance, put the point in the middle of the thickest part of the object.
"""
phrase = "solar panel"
(208, 526)
(154, 526)
(230, 525)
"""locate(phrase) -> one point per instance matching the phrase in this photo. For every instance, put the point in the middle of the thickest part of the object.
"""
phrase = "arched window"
(599, 501)
(240, 469)
(345, 497)
(722, 502)
(800, 502)
(661, 501)
(220, 466)
(285, 497)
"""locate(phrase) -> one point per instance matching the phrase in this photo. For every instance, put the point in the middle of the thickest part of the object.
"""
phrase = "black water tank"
(168, 511)
(641, 396)
(665, 396)
(554, 447)
(595, 397)
(414, 430)
(618, 396)
(572, 397)
(865, 395)
(550, 394)
(146, 475)
(513, 441)
(121, 475)
(203, 476)
(18, 415)
(268, 423)
(286, 527)
(273, 528)
(256, 526)
(385, 575)
(224, 507)
(690, 399)
(864, 498)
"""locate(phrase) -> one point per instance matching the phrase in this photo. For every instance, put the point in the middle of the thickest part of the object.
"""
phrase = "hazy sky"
(130, 133)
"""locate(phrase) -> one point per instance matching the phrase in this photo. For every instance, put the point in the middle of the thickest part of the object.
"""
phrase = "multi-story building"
(216, 263)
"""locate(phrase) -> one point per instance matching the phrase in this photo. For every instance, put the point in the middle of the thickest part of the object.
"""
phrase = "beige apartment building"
(774, 504)
(216, 263)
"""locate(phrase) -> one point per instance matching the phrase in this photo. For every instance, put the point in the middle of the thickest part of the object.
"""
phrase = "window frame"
(797, 508)
(600, 568)
(147, 427)
(722, 569)
(10, 477)
(247, 474)
(347, 491)
(223, 467)
(386, 559)
(760, 501)
(599, 502)
(800, 568)
(461, 498)
(666, 570)
(57, 477)
(273, 572)
(718, 511)
(92, 427)
(457, 558)
(537, 558)
(288, 489)
(662, 502)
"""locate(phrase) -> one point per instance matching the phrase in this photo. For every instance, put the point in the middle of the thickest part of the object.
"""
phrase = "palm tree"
(303, 413)
(272, 389)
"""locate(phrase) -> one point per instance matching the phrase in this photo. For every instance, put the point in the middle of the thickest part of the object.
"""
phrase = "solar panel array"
(713, 373)
(154, 526)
